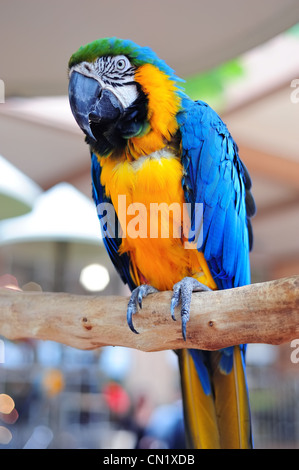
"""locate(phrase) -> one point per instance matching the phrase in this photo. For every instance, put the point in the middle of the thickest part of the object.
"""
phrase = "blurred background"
(243, 59)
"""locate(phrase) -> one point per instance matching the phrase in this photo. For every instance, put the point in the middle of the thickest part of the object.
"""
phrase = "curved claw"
(185, 319)
(182, 291)
(130, 312)
(136, 299)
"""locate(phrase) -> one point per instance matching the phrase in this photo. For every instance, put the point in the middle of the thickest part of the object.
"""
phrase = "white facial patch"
(114, 73)
(126, 94)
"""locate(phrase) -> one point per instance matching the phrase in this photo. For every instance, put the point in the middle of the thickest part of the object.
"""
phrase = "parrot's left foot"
(136, 299)
(182, 291)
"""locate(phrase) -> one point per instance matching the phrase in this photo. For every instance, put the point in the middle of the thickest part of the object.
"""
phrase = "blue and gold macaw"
(151, 144)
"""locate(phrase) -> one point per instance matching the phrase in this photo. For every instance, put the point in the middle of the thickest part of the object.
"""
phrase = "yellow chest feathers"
(153, 178)
(148, 198)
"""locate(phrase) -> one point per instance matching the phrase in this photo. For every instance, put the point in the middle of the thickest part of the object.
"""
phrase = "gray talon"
(182, 291)
(136, 299)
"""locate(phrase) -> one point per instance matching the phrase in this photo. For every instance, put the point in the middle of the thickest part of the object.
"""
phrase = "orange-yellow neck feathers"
(163, 105)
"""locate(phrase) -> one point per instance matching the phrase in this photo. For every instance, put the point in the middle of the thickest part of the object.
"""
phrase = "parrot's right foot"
(136, 299)
(182, 293)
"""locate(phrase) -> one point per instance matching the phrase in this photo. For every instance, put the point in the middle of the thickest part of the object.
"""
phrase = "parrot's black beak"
(90, 103)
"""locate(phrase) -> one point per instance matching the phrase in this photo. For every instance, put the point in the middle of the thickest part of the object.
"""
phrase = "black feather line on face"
(112, 135)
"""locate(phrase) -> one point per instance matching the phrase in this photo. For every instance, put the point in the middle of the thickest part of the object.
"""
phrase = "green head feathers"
(114, 46)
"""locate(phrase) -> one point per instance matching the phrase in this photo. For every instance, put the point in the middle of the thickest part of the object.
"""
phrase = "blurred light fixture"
(6, 403)
(5, 435)
(94, 277)
(17, 191)
(60, 214)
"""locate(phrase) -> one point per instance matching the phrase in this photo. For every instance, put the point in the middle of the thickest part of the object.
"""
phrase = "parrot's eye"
(122, 63)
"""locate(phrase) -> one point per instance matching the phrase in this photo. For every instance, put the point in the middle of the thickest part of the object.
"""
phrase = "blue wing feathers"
(208, 163)
(200, 362)
(215, 176)
(215, 235)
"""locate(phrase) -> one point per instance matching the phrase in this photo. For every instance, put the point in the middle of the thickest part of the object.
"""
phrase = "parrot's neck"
(164, 103)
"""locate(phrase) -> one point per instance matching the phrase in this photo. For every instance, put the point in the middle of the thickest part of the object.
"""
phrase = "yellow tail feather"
(232, 405)
(221, 419)
(199, 410)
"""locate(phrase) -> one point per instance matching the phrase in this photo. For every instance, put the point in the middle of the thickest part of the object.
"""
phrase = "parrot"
(151, 146)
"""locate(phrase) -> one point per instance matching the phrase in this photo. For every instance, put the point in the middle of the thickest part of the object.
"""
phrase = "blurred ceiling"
(37, 37)
(39, 136)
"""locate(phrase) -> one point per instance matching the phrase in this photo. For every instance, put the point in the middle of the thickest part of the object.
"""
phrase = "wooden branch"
(260, 313)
